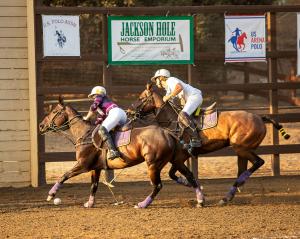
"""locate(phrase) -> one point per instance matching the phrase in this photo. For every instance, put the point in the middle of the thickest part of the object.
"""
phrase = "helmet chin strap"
(160, 84)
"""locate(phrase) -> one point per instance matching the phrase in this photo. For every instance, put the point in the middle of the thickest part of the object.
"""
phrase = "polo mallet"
(110, 185)
(180, 43)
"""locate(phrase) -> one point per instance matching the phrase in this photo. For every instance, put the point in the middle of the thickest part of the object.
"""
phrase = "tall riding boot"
(106, 137)
(191, 128)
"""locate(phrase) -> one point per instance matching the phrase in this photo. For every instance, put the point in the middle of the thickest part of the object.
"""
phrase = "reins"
(157, 113)
(66, 125)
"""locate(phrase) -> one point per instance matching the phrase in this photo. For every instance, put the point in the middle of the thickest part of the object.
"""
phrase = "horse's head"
(149, 100)
(56, 120)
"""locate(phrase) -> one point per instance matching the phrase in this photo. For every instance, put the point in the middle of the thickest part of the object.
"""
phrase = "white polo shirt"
(187, 91)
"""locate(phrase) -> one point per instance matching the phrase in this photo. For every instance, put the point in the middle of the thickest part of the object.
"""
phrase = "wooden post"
(109, 174)
(40, 96)
(33, 96)
(273, 94)
(246, 79)
(192, 162)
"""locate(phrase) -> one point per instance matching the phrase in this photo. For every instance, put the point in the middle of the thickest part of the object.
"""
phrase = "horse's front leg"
(179, 180)
(154, 174)
(76, 170)
(95, 175)
(193, 182)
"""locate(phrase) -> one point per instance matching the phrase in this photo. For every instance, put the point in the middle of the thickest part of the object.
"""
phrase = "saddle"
(205, 118)
(121, 136)
(125, 127)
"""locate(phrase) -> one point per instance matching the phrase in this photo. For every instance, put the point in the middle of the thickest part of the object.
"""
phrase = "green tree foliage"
(147, 3)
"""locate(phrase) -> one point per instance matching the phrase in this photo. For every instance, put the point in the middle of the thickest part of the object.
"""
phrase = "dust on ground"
(267, 207)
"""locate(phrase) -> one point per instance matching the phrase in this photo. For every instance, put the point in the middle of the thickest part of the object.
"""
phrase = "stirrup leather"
(112, 154)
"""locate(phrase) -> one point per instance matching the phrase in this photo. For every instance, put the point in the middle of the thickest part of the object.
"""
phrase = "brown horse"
(151, 144)
(242, 130)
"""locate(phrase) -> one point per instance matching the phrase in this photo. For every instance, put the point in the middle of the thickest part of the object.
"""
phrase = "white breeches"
(192, 103)
(116, 116)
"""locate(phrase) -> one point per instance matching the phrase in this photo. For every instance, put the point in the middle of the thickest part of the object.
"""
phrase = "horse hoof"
(200, 204)
(49, 198)
(138, 207)
(88, 205)
(223, 202)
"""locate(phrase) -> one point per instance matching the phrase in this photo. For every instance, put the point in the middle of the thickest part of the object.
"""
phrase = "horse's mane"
(157, 90)
(73, 110)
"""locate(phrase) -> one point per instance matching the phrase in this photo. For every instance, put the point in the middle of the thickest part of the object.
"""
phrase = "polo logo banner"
(61, 35)
(150, 40)
(298, 44)
(245, 38)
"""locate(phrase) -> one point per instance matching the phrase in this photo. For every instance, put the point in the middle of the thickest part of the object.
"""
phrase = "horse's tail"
(277, 126)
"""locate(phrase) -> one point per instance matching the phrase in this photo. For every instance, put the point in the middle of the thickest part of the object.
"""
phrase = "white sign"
(61, 35)
(245, 38)
(150, 40)
(298, 44)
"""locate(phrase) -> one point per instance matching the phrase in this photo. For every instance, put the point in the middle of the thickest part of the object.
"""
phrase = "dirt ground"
(267, 207)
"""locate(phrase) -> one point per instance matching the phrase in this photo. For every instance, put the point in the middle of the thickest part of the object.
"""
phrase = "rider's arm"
(89, 115)
(96, 103)
(176, 91)
(93, 108)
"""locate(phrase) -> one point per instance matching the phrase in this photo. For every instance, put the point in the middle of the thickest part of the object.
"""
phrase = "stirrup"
(195, 143)
(112, 154)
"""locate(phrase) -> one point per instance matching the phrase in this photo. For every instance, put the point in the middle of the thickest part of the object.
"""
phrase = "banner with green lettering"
(144, 40)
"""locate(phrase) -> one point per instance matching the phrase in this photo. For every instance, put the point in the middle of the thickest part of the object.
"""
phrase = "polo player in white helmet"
(109, 114)
(192, 98)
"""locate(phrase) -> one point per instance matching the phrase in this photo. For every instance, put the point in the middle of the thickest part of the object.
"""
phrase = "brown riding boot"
(106, 137)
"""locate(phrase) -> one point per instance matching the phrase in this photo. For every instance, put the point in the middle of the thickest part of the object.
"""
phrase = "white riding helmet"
(97, 90)
(161, 72)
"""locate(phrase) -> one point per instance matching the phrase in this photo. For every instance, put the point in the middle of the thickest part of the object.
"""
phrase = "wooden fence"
(272, 86)
(15, 164)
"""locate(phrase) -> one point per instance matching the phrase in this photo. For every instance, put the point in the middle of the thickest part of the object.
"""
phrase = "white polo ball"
(57, 201)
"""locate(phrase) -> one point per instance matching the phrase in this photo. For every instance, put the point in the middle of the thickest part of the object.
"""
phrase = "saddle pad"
(208, 121)
(121, 138)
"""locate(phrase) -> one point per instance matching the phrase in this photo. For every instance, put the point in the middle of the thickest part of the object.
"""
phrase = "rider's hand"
(166, 98)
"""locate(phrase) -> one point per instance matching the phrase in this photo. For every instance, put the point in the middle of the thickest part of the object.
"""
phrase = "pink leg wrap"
(145, 203)
(55, 188)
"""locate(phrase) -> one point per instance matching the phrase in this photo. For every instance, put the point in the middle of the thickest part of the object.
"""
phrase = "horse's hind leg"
(179, 180)
(256, 161)
(95, 175)
(154, 174)
(76, 170)
(193, 182)
(242, 165)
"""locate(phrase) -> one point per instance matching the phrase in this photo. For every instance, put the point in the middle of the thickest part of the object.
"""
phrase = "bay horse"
(151, 144)
(242, 130)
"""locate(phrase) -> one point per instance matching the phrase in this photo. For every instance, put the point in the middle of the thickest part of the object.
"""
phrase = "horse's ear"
(149, 86)
(48, 109)
(61, 100)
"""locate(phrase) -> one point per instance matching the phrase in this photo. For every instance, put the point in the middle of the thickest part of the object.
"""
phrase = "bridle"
(66, 125)
(144, 102)
(148, 99)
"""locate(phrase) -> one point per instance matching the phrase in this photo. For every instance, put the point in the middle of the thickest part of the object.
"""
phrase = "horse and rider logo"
(61, 38)
(238, 39)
